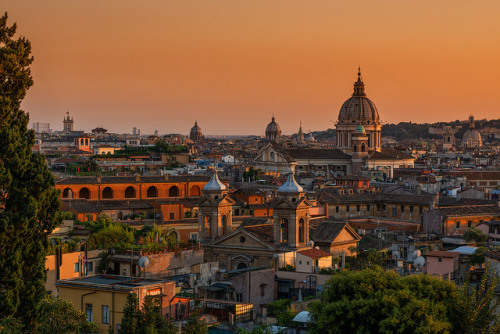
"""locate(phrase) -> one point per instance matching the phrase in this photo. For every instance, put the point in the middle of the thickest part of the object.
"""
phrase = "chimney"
(99, 178)
(165, 176)
(137, 177)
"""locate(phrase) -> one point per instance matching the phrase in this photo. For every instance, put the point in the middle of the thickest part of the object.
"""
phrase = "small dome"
(195, 134)
(290, 186)
(214, 184)
(472, 138)
(360, 129)
(273, 130)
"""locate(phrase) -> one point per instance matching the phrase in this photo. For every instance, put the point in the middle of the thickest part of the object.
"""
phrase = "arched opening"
(284, 230)
(107, 193)
(241, 265)
(224, 224)
(152, 192)
(363, 148)
(355, 148)
(301, 230)
(67, 193)
(84, 193)
(208, 221)
(130, 192)
(194, 191)
(173, 192)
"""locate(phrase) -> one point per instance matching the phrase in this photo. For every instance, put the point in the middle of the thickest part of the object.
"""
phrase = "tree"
(374, 300)
(477, 306)
(149, 320)
(55, 315)
(475, 235)
(28, 197)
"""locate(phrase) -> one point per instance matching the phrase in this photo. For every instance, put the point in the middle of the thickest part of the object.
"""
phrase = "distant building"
(472, 137)
(41, 127)
(273, 131)
(196, 135)
(68, 124)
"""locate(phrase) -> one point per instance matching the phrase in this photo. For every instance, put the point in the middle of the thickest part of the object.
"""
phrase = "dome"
(472, 137)
(360, 129)
(273, 130)
(290, 186)
(359, 108)
(214, 184)
(195, 134)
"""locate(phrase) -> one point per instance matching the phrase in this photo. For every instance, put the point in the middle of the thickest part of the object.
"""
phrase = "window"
(300, 262)
(88, 312)
(440, 259)
(420, 210)
(402, 208)
(347, 208)
(358, 208)
(411, 209)
(284, 230)
(239, 297)
(84, 193)
(105, 314)
(77, 267)
(394, 213)
(194, 236)
(469, 224)
(337, 209)
(263, 289)
(173, 192)
(172, 215)
(368, 207)
(152, 192)
(130, 192)
(307, 262)
(107, 193)
(90, 267)
(457, 225)
(301, 230)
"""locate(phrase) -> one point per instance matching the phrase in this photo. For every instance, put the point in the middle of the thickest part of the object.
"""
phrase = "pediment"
(233, 240)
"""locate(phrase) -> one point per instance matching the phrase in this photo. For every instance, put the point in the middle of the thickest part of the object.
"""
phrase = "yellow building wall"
(67, 269)
(114, 299)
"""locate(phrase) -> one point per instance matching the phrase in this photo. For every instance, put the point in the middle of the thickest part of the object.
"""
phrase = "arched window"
(130, 192)
(107, 193)
(194, 191)
(241, 265)
(208, 222)
(173, 192)
(224, 224)
(152, 192)
(363, 148)
(301, 229)
(84, 193)
(284, 230)
(355, 148)
(67, 193)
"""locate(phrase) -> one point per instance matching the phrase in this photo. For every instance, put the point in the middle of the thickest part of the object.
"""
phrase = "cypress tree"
(28, 200)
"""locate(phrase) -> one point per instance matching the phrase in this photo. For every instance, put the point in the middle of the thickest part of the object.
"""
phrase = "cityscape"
(338, 215)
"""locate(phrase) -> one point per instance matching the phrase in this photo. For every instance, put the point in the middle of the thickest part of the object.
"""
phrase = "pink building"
(442, 264)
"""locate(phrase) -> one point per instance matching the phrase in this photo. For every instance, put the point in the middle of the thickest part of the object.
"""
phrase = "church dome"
(214, 184)
(195, 134)
(273, 130)
(472, 137)
(290, 186)
(359, 108)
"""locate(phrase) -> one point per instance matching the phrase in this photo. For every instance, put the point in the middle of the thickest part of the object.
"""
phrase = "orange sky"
(231, 64)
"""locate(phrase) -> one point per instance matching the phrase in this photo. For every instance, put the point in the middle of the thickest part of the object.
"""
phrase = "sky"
(232, 64)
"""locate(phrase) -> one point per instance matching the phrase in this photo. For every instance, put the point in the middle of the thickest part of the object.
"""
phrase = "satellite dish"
(416, 253)
(310, 243)
(419, 262)
(144, 262)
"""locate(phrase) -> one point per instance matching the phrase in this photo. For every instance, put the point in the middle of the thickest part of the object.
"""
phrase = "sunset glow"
(232, 64)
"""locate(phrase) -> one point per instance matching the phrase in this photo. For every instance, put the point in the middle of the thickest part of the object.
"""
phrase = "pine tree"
(28, 200)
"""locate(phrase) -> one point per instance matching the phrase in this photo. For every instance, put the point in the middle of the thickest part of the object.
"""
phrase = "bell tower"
(68, 124)
(215, 211)
(291, 216)
(359, 148)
